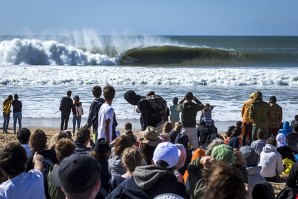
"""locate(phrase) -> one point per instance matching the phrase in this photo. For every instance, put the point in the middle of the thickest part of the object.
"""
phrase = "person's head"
(223, 152)
(167, 127)
(296, 117)
(131, 158)
(272, 100)
(238, 124)
(296, 128)
(252, 96)
(166, 155)
(175, 100)
(189, 96)
(263, 190)
(68, 93)
(109, 92)
(23, 135)
(281, 140)
(56, 137)
(128, 126)
(13, 159)
(38, 141)
(9, 97)
(225, 181)
(150, 93)
(101, 149)
(261, 134)
(64, 148)
(250, 155)
(121, 143)
(213, 144)
(131, 97)
(259, 96)
(16, 97)
(79, 176)
(202, 123)
(230, 131)
(76, 98)
(150, 136)
(83, 136)
(177, 126)
(183, 139)
(272, 141)
(96, 91)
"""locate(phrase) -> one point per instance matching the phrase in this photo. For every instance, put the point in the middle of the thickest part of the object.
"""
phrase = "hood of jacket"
(146, 176)
(269, 148)
(286, 125)
(188, 105)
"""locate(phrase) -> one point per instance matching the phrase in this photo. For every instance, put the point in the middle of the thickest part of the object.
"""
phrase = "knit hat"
(250, 156)
(281, 140)
(223, 152)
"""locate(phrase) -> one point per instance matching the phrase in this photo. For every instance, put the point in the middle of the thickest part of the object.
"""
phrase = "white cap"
(167, 152)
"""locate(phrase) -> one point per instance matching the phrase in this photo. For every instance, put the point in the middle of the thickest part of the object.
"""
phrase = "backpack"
(158, 104)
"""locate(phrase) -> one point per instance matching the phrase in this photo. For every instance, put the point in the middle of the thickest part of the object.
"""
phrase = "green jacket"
(259, 112)
(189, 113)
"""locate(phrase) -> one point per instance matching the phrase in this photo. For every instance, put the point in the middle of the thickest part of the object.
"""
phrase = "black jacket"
(93, 111)
(147, 114)
(66, 105)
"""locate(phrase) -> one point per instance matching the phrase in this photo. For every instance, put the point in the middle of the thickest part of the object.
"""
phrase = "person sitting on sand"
(292, 140)
(291, 188)
(228, 135)
(176, 130)
(259, 144)
(271, 161)
(6, 112)
(166, 129)
(286, 128)
(63, 149)
(82, 141)
(23, 136)
(283, 149)
(203, 132)
(21, 184)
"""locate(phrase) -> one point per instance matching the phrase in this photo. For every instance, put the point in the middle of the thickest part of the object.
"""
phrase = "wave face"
(153, 51)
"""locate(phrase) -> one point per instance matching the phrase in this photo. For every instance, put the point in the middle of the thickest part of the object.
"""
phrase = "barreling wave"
(37, 52)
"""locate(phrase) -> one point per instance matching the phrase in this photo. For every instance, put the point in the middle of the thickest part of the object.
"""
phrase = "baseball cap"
(151, 136)
(223, 152)
(78, 173)
(167, 152)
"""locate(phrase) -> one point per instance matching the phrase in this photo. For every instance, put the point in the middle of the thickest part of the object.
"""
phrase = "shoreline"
(54, 123)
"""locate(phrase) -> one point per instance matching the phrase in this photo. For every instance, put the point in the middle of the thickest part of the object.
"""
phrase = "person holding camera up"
(189, 110)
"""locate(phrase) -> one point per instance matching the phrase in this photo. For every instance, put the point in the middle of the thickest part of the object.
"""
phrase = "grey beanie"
(250, 156)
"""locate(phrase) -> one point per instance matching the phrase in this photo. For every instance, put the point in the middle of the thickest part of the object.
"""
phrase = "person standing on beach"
(94, 108)
(6, 112)
(189, 111)
(174, 116)
(259, 111)
(66, 105)
(106, 115)
(77, 111)
(275, 116)
(247, 121)
(17, 112)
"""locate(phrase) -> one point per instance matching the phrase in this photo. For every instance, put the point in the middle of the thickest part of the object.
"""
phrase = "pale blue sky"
(150, 17)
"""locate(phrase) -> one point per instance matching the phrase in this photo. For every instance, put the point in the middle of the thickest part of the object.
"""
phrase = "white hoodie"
(270, 161)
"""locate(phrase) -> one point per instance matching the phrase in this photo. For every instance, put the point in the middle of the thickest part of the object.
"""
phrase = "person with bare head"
(23, 136)
(20, 184)
(94, 108)
(189, 111)
(6, 112)
(82, 141)
(174, 114)
(17, 112)
(259, 112)
(275, 116)
(259, 144)
(174, 133)
(225, 181)
(246, 120)
(66, 105)
(63, 149)
(106, 115)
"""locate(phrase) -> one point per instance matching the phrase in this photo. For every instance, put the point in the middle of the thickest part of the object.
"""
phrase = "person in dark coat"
(291, 189)
(66, 105)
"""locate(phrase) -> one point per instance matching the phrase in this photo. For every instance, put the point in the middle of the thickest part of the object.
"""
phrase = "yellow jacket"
(6, 107)
(245, 111)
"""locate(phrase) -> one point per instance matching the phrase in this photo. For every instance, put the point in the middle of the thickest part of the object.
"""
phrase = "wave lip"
(36, 52)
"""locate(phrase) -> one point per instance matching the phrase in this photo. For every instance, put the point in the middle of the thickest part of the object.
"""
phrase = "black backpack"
(158, 104)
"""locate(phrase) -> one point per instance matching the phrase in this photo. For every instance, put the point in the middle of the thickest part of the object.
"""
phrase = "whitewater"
(222, 71)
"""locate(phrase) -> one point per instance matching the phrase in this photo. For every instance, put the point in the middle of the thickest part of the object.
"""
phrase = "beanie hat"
(250, 155)
(223, 152)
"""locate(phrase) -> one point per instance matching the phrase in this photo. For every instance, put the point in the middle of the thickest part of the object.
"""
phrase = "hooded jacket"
(254, 178)
(245, 111)
(275, 116)
(270, 161)
(148, 182)
(286, 129)
(189, 113)
(291, 188)
(259, 114)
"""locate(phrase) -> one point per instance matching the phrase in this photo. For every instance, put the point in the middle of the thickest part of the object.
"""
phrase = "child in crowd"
(174, 114)
(77, 111)
(167, 128)
(130, 134)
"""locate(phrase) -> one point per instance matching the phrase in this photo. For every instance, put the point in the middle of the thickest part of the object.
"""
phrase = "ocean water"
(222, 71)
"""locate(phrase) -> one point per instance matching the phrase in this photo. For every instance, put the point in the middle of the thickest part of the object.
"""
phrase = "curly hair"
(55, 138)
(167, 127)
(64, 148)
(83, 135)
(38, 141)
(109, 92)
(13, 159)
(131, 158)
